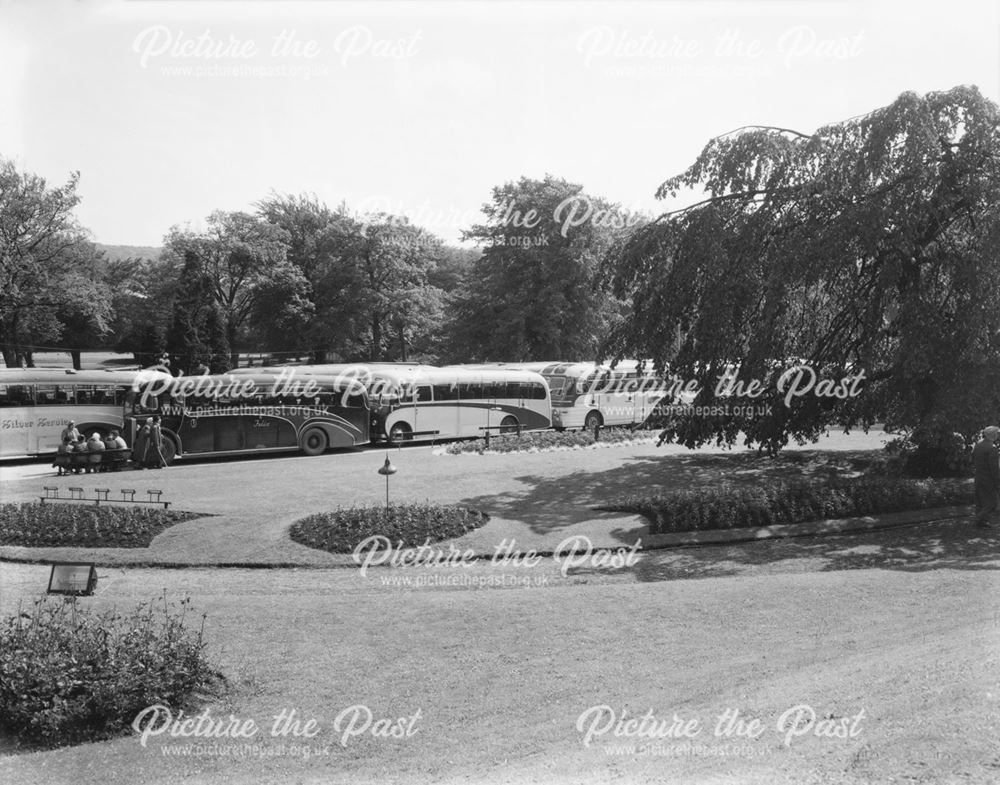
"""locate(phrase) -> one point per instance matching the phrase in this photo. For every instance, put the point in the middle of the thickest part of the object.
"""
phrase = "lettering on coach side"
(18, 425)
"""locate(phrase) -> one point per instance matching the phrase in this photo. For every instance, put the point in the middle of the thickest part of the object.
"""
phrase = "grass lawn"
(501, 661)
(902, 625)
(536, 500)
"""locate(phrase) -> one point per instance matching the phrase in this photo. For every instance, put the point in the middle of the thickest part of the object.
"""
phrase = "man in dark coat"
(986, 463)
(141, 446)
(154, 447)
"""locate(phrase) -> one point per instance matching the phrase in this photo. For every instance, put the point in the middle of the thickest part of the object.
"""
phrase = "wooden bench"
(90, 462)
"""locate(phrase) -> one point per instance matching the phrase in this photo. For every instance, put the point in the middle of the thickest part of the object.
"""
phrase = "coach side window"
(47, 394)
(14, 395)
(445, 392)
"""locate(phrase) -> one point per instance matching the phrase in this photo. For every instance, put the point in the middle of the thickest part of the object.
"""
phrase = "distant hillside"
(116, 252)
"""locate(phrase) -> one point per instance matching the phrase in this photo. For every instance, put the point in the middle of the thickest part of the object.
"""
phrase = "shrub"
(533, 441)
(769, 502)
(409, 524)
(45, 525)
(926, 453)
(68, 673)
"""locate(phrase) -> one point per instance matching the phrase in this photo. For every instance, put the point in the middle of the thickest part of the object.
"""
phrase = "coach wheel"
(87, 429)
(314, 442)
(593, 420)
(508, 425)
(400, 432)
(168, 450)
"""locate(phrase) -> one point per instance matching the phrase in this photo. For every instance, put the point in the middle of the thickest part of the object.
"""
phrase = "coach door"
(262, 428)
(447, 412)
(197, 432)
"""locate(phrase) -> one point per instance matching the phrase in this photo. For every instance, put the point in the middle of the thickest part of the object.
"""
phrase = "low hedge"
(767, 503)
(533, 441)
(410, 524)
(90, 526)
(70, 674)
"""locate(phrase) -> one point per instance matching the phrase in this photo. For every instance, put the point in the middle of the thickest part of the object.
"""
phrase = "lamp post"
(387, 468)
(488, 410)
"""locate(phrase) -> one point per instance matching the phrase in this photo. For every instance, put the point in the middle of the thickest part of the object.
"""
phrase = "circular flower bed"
(91, 526)
(410, 525)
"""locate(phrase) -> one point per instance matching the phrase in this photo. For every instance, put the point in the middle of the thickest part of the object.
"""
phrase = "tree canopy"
(47, 265)
(867, 245)
(532, 294)
(236, 255)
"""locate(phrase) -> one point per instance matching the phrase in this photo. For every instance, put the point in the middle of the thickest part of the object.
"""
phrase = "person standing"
(70, 432)
(141, 446)
(154, 452)
(986, 464)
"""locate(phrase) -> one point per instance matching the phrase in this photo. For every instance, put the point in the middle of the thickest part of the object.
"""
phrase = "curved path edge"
(141, 557)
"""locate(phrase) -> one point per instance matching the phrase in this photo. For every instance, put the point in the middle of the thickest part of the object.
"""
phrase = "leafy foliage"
(232, 260)
(359, 287)
(49, 525)
(768, 503)
(868, 244)
(47, 265)
(409, 524)
(70, 674)
(400, 304)
(197, 340)
(531, 295)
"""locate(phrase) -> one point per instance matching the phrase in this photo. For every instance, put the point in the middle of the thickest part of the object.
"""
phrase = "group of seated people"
(78, 455)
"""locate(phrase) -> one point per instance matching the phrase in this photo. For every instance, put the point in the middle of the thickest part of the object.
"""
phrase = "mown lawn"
(500, 676)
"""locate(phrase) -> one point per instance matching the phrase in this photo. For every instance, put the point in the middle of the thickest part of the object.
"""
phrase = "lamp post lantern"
(387, 468)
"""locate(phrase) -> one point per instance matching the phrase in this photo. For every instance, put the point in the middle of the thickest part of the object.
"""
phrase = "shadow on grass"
(547, 504)
(953, 544)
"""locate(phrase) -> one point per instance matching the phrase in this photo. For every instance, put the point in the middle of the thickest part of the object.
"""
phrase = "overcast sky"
(170, 110)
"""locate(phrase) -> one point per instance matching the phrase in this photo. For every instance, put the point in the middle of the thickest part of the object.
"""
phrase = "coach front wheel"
(400, 432)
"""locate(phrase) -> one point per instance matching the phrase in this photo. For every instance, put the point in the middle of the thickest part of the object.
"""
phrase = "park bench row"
(97, 461)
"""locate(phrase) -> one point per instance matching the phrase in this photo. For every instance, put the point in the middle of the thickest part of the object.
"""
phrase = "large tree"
(363, 286)
(197, 340)
(867, 245)
(531, 294)
(238, 253)
(316, 305)
(143, 298)
(45, 264)
(401, 306)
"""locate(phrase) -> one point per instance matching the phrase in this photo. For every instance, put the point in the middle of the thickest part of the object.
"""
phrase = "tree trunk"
(9, 356)
(376, 338)
(234, 355)
(75, 354)
(318, 356)
(402, 345)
